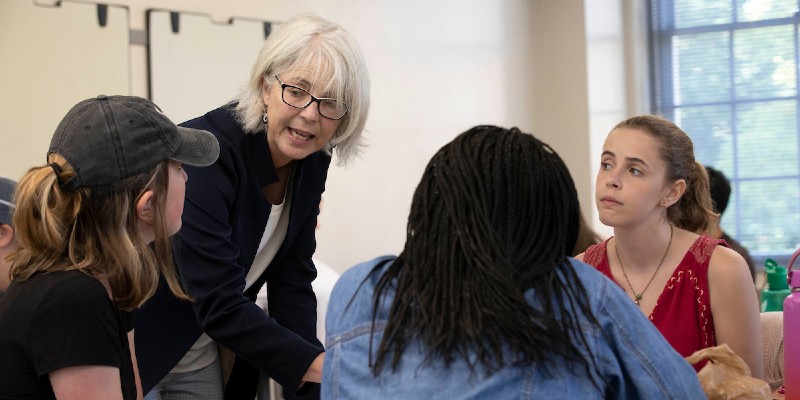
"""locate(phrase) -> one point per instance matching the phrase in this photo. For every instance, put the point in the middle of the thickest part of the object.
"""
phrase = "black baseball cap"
(6, 199)
(110, 138)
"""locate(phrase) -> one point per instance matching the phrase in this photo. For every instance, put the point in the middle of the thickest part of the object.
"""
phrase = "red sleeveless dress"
(683, 310)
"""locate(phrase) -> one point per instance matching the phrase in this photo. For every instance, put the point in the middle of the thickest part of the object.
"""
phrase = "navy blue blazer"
(224, 219)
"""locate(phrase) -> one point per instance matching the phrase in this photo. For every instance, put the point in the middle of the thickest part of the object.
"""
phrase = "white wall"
(438, 67)
(617, 77)
(560, 104)
(51, 58)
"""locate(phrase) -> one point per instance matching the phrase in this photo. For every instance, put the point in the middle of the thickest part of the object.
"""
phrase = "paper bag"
(726, 376)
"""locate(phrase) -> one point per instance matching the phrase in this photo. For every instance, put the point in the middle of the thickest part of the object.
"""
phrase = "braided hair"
(495, 215)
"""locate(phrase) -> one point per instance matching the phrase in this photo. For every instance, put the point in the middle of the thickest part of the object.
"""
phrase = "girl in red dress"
(695, 289)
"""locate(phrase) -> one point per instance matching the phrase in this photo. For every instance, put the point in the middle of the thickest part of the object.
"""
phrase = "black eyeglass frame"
(312, 99)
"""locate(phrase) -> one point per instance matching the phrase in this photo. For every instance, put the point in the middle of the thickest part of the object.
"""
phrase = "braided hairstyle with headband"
(492, 221)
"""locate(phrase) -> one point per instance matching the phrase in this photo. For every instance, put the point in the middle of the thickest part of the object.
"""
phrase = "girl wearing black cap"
(113, 185)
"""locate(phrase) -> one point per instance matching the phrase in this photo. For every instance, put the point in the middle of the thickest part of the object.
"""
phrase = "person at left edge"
(7, 240)
(250, 221)
(92, 227)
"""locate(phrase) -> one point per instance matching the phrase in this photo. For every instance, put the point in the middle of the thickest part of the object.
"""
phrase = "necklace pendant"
(638, 297)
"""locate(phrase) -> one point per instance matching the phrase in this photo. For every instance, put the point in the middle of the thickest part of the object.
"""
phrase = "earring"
(264, 118)
(330, 146)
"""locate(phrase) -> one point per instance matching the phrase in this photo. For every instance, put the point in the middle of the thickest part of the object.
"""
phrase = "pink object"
(791, 334)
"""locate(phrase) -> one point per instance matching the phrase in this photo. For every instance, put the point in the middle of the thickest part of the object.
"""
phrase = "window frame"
(661, 33)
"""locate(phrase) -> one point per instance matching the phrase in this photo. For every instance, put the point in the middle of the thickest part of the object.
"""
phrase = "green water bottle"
(776, 289)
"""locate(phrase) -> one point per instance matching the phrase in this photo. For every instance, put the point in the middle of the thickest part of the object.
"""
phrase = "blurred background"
(564, 70)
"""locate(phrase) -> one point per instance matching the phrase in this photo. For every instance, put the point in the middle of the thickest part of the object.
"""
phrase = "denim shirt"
(635, 361)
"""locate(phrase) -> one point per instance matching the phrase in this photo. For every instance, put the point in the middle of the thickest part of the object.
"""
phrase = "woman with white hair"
(249, 221)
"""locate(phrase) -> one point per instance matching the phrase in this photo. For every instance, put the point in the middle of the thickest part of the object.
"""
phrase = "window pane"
(766, 135)
(709, 127)
(732, 86)
(765, 64)
(770, 216)
(730, 215)
(757, 10)
(702, 68)
(689, 13)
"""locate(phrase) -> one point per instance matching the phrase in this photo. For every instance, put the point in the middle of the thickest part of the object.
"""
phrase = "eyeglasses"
(298, 97)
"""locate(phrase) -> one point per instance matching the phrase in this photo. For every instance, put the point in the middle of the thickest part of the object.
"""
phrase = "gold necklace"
(638, 296)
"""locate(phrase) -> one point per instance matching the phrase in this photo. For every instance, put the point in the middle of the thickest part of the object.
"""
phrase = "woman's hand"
(314, 373)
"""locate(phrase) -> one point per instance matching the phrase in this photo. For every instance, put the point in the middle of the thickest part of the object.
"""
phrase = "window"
(726, 72)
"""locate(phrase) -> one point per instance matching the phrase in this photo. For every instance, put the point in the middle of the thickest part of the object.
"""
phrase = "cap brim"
(198, 147)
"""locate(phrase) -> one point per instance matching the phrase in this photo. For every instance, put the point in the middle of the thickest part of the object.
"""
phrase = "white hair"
(310, 43)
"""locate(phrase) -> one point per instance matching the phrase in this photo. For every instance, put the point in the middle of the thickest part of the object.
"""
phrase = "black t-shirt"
(57, 320)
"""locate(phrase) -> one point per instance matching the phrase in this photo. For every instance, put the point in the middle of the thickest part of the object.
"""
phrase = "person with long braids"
(484, 301)
(696, 290)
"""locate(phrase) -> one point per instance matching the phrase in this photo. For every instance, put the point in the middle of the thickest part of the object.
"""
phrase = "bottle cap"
(776, 275)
